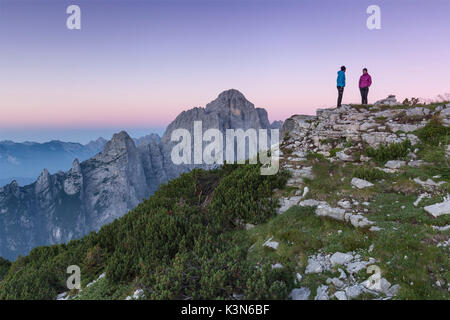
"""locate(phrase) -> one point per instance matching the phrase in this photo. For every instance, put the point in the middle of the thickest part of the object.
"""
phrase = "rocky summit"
(63, 206)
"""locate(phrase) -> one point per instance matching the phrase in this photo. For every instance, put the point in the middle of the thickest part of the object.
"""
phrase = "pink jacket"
(365, 81)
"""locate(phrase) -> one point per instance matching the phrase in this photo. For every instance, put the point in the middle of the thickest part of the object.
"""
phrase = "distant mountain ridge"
(66, 205)
(24, 161)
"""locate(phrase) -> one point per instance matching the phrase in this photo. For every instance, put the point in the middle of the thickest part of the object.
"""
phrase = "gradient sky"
(135, 65)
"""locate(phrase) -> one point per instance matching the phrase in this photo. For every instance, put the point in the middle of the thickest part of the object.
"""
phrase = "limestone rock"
(271, 244)
(428, 183)
(340, 295)
(395, 164)
(327, 211)
(322, 293)
(389, 101)
(353, 291)
(360, 183)
(302, 293)
(287, 203)
(438, 209)
(340, 258)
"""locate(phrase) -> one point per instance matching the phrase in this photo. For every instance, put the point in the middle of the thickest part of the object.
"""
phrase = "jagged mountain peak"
(120, 143)
(14, 185)
(230, 110)
(277, 124)
(98, 142)
(122, 135)
(101, 139)
(145, 140)
(76, 166)
(45, 174)
(231, 93)
(43, 182)
(230, 101)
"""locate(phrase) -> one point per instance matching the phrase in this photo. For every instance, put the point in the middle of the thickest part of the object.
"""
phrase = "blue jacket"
(341, 78)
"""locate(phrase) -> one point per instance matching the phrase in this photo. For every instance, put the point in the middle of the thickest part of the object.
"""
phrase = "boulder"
(344, 204)
(340, 295)
(428, 182)
(327, 211)
(438, 209)
(271, 244)
(389, 101)
(322, 293)
(318, 263)
(287, 203)
(302, 293)
(416, 163)
(417, 111)
(395, 164)
(311, 203)
(341, 155)
(298, 175)
(360, 183)
(353, 291)
(314, 267)
(340, 258)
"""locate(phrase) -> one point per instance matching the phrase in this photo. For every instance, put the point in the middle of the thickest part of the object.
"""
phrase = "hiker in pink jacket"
(364, 83)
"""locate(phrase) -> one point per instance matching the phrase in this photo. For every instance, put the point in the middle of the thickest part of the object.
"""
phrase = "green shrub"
(391, 152)
(334, 151)
(315, 156)
(245, 195)
(4, 267)
(369, 174)
(349, 144)
(434, 154)
(434, 132)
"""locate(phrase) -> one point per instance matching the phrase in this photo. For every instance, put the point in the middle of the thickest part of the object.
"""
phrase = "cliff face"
(63, 206)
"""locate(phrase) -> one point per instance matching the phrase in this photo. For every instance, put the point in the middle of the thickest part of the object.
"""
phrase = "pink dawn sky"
(139, 64)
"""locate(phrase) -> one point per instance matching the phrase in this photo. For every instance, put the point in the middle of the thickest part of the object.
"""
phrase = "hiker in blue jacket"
(341, 84)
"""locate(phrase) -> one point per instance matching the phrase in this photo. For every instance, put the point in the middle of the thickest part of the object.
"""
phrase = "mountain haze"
(23, 162)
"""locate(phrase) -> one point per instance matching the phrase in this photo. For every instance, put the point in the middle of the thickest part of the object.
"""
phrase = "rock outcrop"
(336, 128)
(348, 130)
(343, 134)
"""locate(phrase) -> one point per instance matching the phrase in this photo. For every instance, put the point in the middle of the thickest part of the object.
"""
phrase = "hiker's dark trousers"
(364, 93)
(340, 94)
